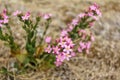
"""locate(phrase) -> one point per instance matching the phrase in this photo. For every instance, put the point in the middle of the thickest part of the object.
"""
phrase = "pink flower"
(62, 43)
(58, 63)
(5, 11)
(1, 21)
(48, 49)
(90, 14)
(82, 33)
(65, 41)
(70, 43)
(16, 13)
(67, 56)
(79, 49)
(5, 16)
(96, 5)
(93, 7)
(47, 16)
(73, 54)
(56, 50)
(66, 38)
(91, 24)
(26, 16)
(5, 21)
(75, 22)
(95, 18)
(92, 38)
(82, 45)
(98, 12)
(88, 44)
(1, 25)
(64, 33)
(60, 57)
(70, 28)
(81, 15)
(93, 10)
(67, 49)
(48, 39)
(40, 14)
(87, 51)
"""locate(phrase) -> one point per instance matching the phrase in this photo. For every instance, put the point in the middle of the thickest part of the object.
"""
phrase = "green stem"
(44, 33)
(31, 35)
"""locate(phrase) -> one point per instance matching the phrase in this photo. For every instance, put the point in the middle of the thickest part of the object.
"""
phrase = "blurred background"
(103, 62)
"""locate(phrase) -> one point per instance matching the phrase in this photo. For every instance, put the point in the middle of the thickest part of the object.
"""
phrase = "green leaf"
(31, 34)
(16, 65)
(3, 70)
(30, 49)
(21, 57)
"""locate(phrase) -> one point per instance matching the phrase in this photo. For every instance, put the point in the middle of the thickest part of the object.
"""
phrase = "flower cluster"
(91, 15)
(26, 16)
(62, 49)
(85, 41)
(3, 17)
(23, 17)
(64, 46)
(76, 38)
(17, 13)
(47, 16)
(82, 21)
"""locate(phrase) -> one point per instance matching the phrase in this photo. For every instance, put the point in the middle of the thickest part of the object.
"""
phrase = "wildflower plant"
(76, 38)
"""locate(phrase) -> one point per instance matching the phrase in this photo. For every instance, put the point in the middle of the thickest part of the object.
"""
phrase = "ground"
(103, 62)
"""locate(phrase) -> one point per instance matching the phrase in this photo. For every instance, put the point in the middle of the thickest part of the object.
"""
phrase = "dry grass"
(104, 61)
